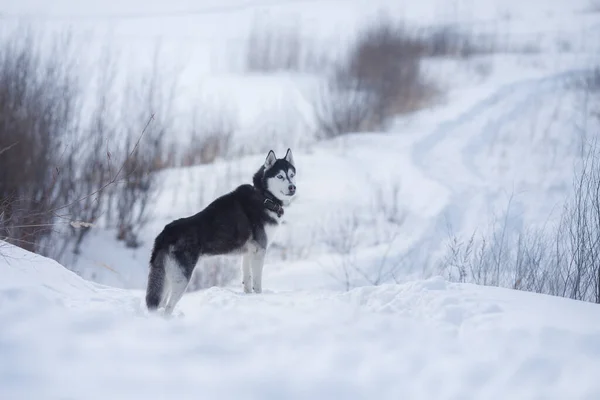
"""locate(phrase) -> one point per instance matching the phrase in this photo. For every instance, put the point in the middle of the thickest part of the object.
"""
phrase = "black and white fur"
(240, 222)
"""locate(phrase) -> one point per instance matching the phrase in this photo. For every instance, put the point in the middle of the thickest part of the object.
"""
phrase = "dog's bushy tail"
(156, 277)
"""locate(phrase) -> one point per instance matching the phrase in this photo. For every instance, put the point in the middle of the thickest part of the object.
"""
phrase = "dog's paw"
(247, 288)
(173, 315)
(257, 290)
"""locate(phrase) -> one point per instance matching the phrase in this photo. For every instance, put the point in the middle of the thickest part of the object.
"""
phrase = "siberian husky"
(240, 222)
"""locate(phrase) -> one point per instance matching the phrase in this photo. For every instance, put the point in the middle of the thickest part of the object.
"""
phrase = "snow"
(65, 338)
(505, 132)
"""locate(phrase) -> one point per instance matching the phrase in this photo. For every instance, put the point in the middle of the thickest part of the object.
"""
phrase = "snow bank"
(64, 338)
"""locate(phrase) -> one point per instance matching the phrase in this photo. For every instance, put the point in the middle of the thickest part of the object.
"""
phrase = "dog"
(242, 221)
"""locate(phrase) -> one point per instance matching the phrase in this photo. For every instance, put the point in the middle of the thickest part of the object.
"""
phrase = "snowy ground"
(509, 125)
(65, 338)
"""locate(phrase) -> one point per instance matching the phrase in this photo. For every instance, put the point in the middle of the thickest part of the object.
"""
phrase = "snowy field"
(507, 131)
(504, 137)
(65, 338)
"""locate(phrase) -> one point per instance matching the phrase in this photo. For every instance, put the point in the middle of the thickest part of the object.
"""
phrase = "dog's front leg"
(246, 280)
(258, 260)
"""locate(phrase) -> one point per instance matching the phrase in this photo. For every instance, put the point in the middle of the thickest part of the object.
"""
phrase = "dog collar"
(272, 204)
(276, 208)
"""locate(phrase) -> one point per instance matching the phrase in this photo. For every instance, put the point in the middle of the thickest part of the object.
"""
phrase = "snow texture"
(65, 338)
(508, 126)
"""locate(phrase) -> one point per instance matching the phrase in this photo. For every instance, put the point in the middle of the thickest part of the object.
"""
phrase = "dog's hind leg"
(157, 290)
(246, 278)
(178, 282)
(166, 292)
(258, 260)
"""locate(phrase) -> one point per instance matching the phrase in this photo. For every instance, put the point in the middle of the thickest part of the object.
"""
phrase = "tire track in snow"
(452, 162)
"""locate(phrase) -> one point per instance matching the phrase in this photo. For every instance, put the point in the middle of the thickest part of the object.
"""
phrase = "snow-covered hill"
(64, 338)
(506, 130)
(371, 208)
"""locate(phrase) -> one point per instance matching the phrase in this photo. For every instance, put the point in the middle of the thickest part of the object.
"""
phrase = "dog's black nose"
(292, 188)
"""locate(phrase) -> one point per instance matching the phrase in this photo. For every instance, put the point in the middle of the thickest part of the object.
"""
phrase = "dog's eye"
(280, 177)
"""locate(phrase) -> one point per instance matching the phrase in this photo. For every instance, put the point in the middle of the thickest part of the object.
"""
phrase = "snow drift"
(62, 337)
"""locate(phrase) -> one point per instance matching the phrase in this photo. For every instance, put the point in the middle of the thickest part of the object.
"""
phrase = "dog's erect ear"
(289, 157)
(270, 161)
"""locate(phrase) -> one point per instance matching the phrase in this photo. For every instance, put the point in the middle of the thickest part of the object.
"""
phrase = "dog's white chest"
(271, 229)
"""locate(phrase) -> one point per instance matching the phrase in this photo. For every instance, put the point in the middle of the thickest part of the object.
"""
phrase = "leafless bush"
(594, 6)
(341, 233)
(214, 271)
(340, 110)
(456, 42)
(581, 270)
(591, 81)
(345, 234)
(90, 174)
(379, 77)
(133, 196)
(350, 270)
(387, 202)
(280, 48)
(518, 260)
(149, 94)
(450, 41)
(210, 136)
(39, 100)
(90, 166)
(67, 158)
(271, 50)
(562, 261)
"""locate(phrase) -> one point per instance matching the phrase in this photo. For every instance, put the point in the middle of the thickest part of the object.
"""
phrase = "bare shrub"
(522, 260)
(210, 136)
(271, 50)
(39, 100)
(342, 237)
(594, 6)
(455, 41)
(280, 48)
(450, 41)
(339, 109)
(446, 42)
(581, 270)
(134, 194)
(345, 234)
(351, 271)
(58, 174)
(89, 175)
(90, 166)
(150, 94)
(379, 77)
(387, 202)
(591, 81)
(562, 261)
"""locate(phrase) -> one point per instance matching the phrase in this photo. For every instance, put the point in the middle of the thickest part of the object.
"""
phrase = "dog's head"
(279, 176)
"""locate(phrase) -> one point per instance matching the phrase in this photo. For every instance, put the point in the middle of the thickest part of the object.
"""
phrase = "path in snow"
(480, 158)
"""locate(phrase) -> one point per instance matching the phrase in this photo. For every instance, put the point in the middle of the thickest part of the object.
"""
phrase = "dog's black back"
(223, 227)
